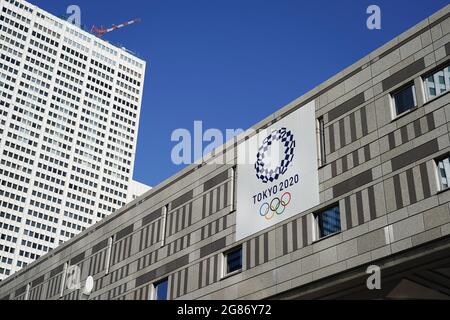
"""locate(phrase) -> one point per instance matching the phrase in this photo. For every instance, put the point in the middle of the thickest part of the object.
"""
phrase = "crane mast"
(101, 31)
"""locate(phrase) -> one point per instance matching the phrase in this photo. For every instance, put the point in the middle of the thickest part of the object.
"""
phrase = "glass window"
(404, 100)
(328, 222)
(233, 261)
(438, 83)
(321, 141)
(161, 289)
(444, 173)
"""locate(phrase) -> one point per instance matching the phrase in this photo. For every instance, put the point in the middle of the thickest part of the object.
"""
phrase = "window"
(233, 188)
(321, 141)
(164, 225)
(443, 167)
(232, 261)
(404, 100)
(327, 222)
(160, 290)
(437, 83)
(108, 254)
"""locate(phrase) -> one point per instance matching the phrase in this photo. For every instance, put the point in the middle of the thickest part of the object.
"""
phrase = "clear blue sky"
(231, 63)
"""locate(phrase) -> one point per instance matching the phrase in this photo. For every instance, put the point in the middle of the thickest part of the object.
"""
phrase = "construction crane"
(100, 32)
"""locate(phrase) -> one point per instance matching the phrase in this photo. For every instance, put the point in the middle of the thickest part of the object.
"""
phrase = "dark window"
(161, 290)
(444, 173)
(404, 100)
(329, 222)
(321, 140)
(234, 260)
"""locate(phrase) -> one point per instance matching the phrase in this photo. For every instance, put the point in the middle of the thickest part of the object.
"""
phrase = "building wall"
(136, 189)
(70, 106)
(380, 171)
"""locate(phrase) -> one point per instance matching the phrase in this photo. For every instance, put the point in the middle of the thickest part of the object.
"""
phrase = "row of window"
(327, 223)
(16, 15)
(102, 66)
(7, 249)
(38, 72)
(18, 35)
(127, 95)
(77, 217)
(10, 216)
(20, 5)
(81, 199)
(4, 271)
(120, 143)
(73, 226)
(44, 206)
(67, 235)
(116, 166)
(78, 34)
(47, 30)
(12, 42)
(103, 58)
(9, 227)
(38, 236)
(123, 119)
(28, 255)
(86, 163)
(129, 88)
(11, 51)
(132, 61)
(130, 71)
(101, 74)
(11, 175)
(10, 60)
(42, 216)
(50, 20)
(116, 175)
(35, 246)
(14, 186)
(126, 103)
(15, 24)
(85, 191)
(232, 262)
(46, 40)
(8, 238)
(41, 55)
(403, 101)
(435, 85)
(41, 226)
(105, 48)
(6, 260)
(76, 45)
(39, 64)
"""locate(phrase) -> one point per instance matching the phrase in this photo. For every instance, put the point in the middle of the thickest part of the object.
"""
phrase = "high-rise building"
(69, 116)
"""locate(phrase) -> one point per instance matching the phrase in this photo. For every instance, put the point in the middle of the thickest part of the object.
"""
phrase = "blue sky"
(231, 63)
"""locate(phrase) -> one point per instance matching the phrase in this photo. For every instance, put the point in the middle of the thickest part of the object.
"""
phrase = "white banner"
(277, 173)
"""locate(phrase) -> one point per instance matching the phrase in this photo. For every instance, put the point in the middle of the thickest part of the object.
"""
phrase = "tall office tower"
(69, 115)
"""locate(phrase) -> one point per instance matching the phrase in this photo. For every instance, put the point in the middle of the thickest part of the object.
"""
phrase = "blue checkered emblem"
(287, 139)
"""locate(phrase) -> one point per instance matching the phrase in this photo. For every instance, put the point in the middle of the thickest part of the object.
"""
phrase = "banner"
(277, 173)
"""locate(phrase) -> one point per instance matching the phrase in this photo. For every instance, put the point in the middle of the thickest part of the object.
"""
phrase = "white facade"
(136, 189)
(69, 115)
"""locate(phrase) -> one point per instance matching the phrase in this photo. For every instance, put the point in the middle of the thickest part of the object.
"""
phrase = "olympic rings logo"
(277, 206)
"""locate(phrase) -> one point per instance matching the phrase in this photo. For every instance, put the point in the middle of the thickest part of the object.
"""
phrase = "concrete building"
(382, 198)
(69, 116)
